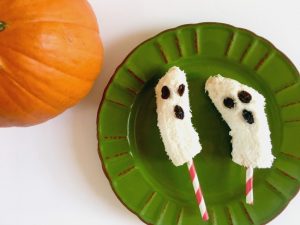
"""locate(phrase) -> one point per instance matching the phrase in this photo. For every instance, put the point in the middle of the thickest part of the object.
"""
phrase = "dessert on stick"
(180, 139)
(243, 109)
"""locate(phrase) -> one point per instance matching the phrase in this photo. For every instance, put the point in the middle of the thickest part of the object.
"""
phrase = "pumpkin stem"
(2, 26)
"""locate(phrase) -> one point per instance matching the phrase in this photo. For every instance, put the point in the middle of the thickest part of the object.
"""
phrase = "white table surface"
(50, 174)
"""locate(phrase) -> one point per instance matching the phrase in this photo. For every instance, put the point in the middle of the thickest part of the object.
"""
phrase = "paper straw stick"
(197, 189)
(249, 185)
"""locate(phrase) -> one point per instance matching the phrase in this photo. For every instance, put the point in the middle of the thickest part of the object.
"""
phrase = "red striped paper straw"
(249, 185)
(197, 189)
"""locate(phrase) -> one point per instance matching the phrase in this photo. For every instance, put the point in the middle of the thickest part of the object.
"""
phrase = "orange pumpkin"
(51, 54)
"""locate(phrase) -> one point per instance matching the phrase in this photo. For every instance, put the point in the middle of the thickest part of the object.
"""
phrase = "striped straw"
(197, 189)
(249, 185)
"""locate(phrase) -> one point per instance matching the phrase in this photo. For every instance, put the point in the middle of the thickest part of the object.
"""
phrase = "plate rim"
(289, 61)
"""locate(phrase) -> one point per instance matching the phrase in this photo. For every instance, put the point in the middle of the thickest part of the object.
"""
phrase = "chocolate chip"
(244, 96)
(165, 92)
(248, 116)
(181, 89)
(179, 113)
(229, 102)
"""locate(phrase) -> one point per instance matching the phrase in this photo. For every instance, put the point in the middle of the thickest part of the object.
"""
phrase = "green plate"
(132, 152)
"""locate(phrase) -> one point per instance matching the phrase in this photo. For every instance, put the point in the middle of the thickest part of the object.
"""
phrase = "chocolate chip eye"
(229, 103)
(244, 96)
(179, 113)
(248, 116)
(165, 92)
(181, 89)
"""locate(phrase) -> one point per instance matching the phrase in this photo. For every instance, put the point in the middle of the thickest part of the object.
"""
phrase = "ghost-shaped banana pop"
(180, 139)
(243, 109)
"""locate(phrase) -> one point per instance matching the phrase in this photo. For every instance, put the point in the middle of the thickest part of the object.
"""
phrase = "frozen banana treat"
(174, 116)
(180, 139)
(243, 109)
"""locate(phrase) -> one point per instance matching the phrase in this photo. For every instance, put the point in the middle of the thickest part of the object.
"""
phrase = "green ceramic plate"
(132, 152)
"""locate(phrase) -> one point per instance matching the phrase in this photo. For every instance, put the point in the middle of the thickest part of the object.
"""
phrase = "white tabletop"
(51, 174)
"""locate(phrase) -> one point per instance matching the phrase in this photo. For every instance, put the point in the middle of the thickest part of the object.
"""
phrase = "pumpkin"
(51, 54)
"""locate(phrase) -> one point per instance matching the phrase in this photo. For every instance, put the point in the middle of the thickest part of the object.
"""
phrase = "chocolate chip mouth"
(179, 113)
(248, 116)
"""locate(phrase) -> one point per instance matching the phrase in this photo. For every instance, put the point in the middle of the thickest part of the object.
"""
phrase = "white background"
(51, 174)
